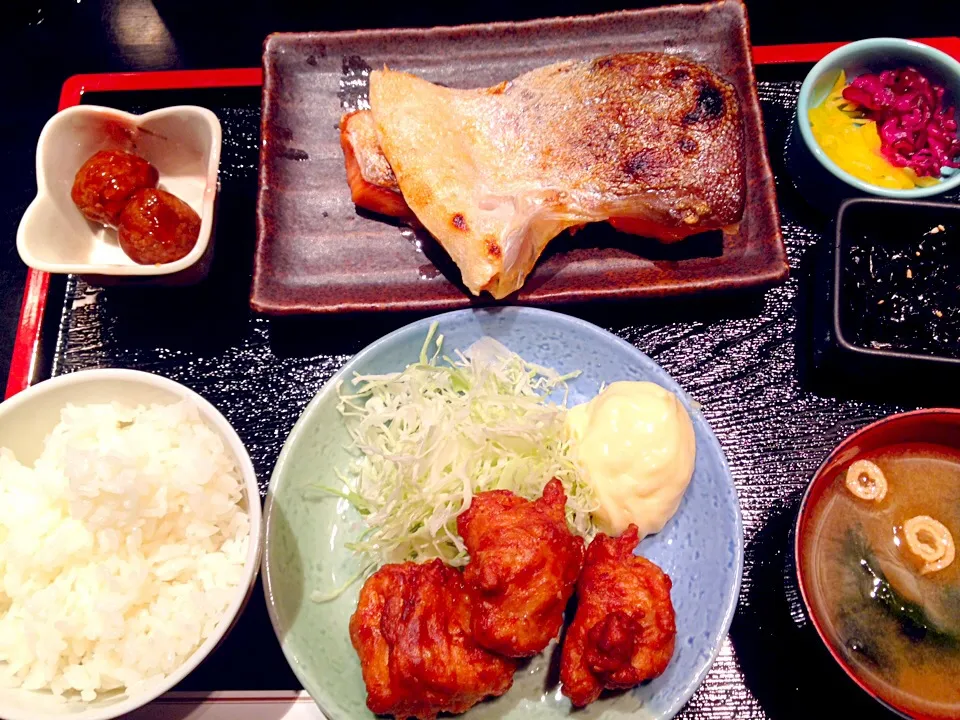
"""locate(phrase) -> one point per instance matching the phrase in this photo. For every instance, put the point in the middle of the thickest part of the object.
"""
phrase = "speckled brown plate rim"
(269, 294)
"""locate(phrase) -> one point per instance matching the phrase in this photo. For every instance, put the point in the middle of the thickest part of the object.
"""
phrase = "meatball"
(105, 182)
(157, 227)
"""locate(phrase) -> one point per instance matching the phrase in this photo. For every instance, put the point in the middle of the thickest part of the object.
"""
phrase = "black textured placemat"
(744, 358)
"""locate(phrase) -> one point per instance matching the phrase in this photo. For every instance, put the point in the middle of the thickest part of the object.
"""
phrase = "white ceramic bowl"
(182, 142)
(25, 420)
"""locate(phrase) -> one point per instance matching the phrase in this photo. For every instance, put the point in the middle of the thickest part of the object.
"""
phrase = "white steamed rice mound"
(120, 549)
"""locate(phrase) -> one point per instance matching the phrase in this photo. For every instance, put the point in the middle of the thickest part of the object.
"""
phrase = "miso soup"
(893, 615)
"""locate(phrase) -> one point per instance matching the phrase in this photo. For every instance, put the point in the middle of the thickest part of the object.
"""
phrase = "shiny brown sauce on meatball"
(104, 184)
(157, 227)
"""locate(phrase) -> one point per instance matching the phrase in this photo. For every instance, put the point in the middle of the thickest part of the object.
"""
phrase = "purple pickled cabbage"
(860, 97)
(916, 129)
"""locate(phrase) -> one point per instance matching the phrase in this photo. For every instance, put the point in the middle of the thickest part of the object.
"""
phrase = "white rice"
(120, 549)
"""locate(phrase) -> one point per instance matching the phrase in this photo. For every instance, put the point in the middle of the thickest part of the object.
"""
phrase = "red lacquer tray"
(43, 317)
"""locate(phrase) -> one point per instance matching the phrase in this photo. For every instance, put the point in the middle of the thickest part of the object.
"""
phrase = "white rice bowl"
(125, 550)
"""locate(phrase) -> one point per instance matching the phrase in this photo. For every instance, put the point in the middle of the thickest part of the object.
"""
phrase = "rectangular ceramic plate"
(317, 253)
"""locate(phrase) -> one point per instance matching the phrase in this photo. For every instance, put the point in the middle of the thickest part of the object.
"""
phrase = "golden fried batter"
(411, 630)
(624, 629)
(524, 563)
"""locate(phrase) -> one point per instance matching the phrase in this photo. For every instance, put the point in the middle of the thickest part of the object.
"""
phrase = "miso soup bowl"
(940, 426)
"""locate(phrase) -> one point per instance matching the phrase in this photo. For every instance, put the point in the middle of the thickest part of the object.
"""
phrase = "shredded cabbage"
(431, 437)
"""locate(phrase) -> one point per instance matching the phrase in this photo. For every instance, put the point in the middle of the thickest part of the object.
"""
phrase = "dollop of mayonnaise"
(635, 445)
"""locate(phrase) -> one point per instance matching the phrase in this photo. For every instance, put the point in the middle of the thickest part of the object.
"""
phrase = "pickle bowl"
(818, 177)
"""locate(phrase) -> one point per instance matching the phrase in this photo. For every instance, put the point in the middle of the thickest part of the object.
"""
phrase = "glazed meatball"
(157, 227)
(106, 181)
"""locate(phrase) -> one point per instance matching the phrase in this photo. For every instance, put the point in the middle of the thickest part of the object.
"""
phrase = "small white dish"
(182, 142)
(26, 419)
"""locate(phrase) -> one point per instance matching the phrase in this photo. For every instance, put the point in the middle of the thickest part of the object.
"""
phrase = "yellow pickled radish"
(853, 143)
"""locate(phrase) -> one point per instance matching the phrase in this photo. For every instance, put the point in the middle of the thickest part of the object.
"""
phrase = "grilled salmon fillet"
(373, 185)
(650, 142)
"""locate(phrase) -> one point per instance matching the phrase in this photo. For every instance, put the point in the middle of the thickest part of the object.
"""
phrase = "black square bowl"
(890, 322)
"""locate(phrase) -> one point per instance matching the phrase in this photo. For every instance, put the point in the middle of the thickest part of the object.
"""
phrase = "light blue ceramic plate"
(701, 548)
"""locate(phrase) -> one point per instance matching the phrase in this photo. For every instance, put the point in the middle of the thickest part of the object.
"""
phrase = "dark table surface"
(736, 359)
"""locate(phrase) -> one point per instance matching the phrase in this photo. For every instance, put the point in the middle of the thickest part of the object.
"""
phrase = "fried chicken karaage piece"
(624, 630)
(411, 630)
(523, 568)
